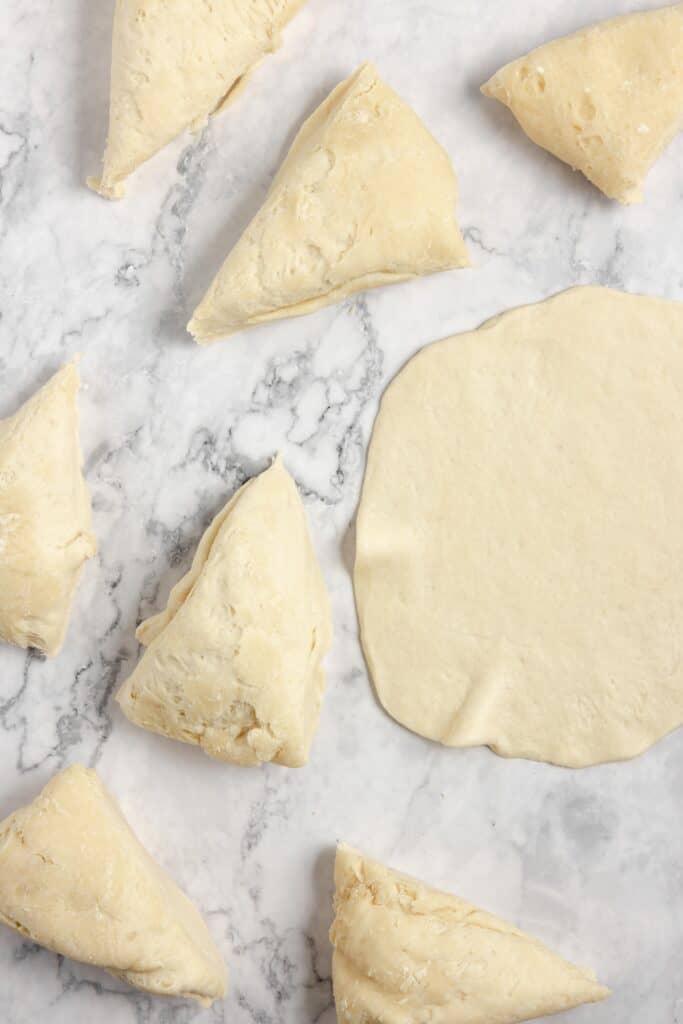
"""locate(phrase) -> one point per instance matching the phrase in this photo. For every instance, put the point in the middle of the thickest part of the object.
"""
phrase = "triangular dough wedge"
(45, 522)
(404, 953)
(365, 197)
(606, 100)
(175, 63)
(74, 878)
(234, 663)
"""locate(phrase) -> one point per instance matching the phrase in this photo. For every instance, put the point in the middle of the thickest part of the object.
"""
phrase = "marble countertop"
(589, 861)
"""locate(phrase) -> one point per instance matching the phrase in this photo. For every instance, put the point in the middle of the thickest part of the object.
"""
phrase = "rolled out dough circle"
(519, 566)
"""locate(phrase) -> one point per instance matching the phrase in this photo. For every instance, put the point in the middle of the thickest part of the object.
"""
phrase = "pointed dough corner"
(106, 189)
(365, 197)
(173, 65)
(45, 519)
(234, 662)
(74, 878)
(606, 100)
(402, 949)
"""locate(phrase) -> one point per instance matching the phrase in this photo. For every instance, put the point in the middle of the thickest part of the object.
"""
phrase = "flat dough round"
(519, 567)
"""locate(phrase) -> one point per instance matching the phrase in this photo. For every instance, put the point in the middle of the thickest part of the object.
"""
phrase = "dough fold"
(175, 63)
(606, 100)
(45, 520)
(405, 953)
(518, 549)
(74, 878)
(234, 663)
(365, 197)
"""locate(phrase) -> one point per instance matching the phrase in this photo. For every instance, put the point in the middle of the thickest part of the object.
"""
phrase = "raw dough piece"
(606, 100)
(405, 953)
(234, 663)
(45, 525)
(519, 569)
(74, 878)
(365, 197)
(173, 64)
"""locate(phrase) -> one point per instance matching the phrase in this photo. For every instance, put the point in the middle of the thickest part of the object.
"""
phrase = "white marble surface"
(590, 861)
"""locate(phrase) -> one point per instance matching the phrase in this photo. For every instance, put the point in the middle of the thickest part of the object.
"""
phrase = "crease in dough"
(404, 952)
(518, 555)
(74, 878)
(173, 65)
(234, 662)
(45, 518)
(606, 100)
(365, 197)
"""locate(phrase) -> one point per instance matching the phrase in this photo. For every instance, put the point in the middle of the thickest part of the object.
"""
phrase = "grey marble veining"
(590, 861)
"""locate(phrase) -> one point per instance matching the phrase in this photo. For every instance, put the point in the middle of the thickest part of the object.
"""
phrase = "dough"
(405, 953)
(606, 100)
(519, 568)
(234, 663)
(74, 878)
(45, 525)
(365, 197)
(175, 62)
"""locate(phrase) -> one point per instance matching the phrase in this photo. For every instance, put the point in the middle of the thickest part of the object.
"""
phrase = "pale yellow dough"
(45, 522)
(606, 100)
(365, 197)
(234, 663)
(519, 568)
(175, 62)
(405, 953)
(74, 878)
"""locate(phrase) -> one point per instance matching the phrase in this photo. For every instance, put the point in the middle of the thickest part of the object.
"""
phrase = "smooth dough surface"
(45, 522)
(74, 878)
(365, 197)
(173, 64)
(606, 100)
(405, 953)
(234, 663)
(519, 567)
